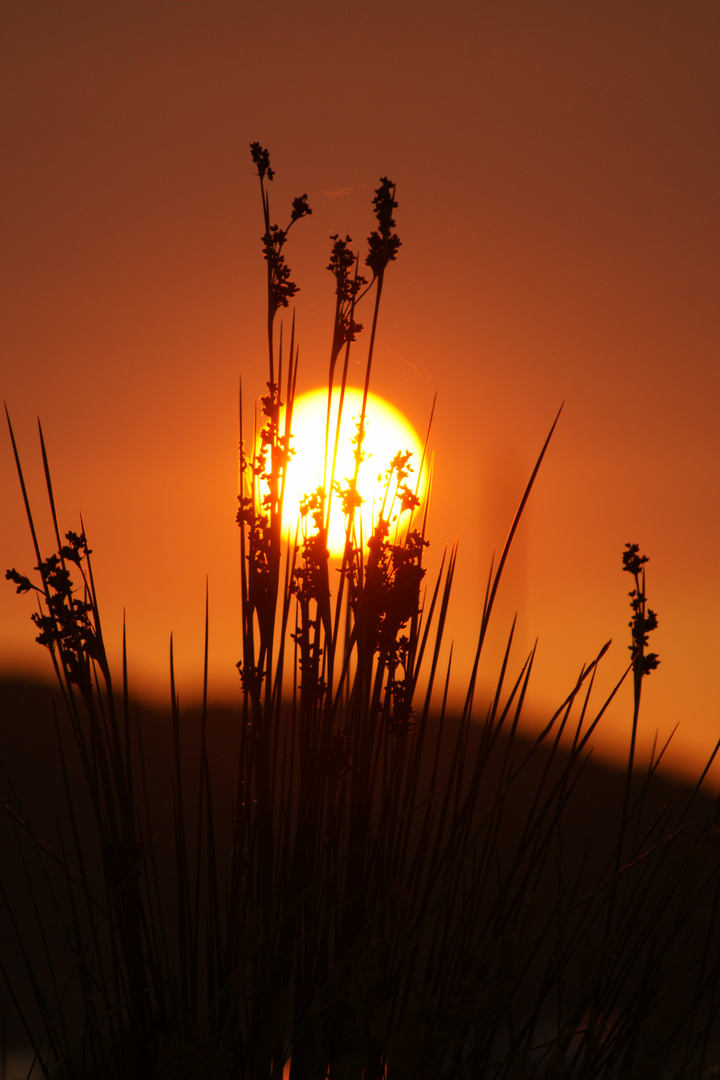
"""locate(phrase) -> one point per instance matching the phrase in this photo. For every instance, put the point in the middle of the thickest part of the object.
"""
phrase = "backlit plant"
(398, 899)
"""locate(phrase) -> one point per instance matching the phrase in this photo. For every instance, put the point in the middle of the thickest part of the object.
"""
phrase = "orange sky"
(557, 172)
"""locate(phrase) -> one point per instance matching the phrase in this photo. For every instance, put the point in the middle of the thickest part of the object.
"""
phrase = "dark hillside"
(581, 858)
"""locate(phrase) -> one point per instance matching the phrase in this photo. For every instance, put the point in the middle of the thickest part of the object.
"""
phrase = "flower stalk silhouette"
(386, 889)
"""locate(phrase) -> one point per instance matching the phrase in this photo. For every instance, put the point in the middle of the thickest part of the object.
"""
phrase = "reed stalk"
(405, 894)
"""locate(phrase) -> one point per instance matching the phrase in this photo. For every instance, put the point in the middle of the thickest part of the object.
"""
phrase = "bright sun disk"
(387, 433)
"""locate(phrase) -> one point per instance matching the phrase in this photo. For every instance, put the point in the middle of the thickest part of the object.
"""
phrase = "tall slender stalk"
(389, 890)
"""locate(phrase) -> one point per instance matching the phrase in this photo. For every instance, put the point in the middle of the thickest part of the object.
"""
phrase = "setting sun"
(387, 433)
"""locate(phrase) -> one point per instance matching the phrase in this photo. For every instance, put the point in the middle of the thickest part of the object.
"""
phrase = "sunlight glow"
(387, 433)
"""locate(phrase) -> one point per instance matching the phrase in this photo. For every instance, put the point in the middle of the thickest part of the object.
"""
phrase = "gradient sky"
(557, 178)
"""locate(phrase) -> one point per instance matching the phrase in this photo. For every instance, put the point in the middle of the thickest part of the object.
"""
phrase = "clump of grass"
(403, 895)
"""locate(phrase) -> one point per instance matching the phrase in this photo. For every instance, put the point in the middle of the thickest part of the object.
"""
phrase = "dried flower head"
(644, 620)
(383, 244)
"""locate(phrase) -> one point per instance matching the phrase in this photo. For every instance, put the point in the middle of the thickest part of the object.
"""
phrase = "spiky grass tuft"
(405, 894)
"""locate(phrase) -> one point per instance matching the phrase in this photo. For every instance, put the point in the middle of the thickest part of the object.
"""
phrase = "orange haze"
(557, 179)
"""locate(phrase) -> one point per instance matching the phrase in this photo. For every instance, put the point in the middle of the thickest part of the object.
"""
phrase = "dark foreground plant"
(403, 896)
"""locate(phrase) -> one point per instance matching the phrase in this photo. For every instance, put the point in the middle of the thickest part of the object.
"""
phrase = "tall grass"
(403, 896)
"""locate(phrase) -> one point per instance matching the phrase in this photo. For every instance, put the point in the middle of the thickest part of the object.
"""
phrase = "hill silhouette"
(33, 786)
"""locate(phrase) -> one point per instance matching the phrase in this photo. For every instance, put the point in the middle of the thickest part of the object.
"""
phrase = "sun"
(387, 433)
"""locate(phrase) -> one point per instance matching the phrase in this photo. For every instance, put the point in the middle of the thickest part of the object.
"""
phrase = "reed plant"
(394, 889)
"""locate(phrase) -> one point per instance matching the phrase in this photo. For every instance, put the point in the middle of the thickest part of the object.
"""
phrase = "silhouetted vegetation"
(385, 889)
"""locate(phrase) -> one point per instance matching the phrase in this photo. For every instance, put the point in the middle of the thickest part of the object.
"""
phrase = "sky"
(557, 179)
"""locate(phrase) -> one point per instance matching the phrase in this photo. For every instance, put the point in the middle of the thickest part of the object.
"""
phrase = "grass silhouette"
(390, 890)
